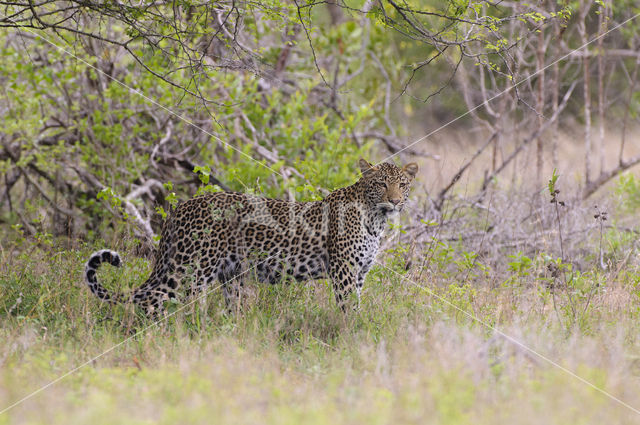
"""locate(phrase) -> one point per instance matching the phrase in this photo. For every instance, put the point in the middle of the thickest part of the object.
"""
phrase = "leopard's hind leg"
(230, 274)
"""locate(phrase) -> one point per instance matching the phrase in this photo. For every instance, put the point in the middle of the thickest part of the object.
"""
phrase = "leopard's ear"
(411, 169)
(365, 167)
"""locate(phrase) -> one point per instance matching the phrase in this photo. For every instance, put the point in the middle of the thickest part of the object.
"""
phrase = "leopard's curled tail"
(96, 259)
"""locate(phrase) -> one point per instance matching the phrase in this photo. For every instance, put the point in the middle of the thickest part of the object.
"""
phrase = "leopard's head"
(387, 185)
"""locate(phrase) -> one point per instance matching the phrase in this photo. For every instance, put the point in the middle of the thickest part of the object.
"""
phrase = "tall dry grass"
(427, 345)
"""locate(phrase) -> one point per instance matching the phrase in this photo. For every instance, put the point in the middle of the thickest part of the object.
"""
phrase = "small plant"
(600, 217)
(469, 265)
(577, 289)
(628, 188)
(462, 297)
(521, 266)
(554, 192)
(204, 174)
(440, 256)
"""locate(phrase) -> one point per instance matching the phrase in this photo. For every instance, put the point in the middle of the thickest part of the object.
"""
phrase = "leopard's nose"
(395, 201)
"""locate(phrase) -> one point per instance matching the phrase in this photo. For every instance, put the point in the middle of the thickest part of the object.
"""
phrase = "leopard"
(226, 237)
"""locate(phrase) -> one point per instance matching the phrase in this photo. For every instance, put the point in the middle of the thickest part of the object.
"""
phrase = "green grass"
(408, 356)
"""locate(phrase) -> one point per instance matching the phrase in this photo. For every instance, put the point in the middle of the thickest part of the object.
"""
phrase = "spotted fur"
(222, 236)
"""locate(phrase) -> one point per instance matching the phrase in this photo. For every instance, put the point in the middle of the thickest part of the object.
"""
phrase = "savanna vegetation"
(508, 292)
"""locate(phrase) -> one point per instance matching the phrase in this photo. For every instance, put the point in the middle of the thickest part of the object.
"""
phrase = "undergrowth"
(450, 330)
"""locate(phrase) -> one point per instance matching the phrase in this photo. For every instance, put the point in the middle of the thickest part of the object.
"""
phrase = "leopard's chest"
(369, 249)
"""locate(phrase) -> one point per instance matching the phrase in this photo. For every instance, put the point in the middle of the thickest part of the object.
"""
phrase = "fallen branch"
(145, 188)
(604, 177)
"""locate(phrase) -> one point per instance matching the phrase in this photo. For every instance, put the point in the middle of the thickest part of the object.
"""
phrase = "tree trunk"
(602, 28)
(540, 104)
(555, 89)
(582, 29)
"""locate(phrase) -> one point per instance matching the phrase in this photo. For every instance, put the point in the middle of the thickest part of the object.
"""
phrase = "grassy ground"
(410, 355)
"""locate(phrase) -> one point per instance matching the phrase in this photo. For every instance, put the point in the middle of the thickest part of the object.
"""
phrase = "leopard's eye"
(383, 184)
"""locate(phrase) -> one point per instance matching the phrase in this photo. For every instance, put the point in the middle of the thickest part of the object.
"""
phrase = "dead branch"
(393, 146)
(531, 137)
(456, 177)
(604, 177)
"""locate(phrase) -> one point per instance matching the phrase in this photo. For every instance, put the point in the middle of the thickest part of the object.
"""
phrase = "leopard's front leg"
(362, 273)
(346, 243)
(343, 274)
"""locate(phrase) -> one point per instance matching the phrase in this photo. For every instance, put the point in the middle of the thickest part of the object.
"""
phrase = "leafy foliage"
(119, 99)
